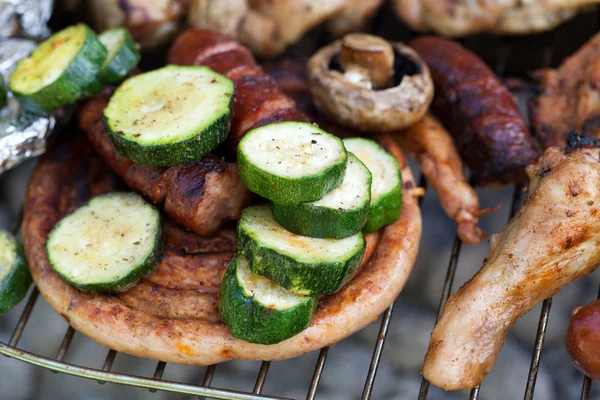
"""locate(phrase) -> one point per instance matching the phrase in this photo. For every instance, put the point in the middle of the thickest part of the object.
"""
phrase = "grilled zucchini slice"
(108, 244)
(386, 187)
(300, 264)
(122, 56)
(14, 273)
(59, 70)
(291, 162)
(257, 310)
(170, 116)
(341, 213)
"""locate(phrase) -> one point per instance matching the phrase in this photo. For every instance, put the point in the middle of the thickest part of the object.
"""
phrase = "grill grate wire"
(205, 390)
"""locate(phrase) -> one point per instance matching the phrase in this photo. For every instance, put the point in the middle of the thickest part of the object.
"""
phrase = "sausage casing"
(479, 112)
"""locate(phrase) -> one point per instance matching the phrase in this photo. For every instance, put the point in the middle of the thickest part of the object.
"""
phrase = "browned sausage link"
(478, 111)
(201, 196)
(583, 339)
(257, 97)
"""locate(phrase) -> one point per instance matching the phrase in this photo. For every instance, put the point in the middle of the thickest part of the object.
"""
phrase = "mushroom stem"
(367, 60)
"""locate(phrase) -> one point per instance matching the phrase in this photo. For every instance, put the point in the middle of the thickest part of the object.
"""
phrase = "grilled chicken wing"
(436, 154)
(465, 17)
(552, 241)
(353, 16)
(569, 97)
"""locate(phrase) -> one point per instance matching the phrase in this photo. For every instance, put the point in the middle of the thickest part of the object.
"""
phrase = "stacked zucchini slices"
(308, 242)
(70, 65)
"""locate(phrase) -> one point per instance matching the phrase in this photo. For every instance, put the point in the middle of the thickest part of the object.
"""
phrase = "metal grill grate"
(503, 49)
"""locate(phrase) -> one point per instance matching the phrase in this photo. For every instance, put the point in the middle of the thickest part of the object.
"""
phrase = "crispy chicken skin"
(438, 159)
(465, 17)
(551, 241)
(569, 97)
(200, 196)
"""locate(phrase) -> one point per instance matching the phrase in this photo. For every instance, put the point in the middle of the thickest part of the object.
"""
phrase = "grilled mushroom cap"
(367, 83)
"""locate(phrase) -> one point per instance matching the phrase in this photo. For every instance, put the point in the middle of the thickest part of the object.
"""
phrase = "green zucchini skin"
(251, 321)
(289, 191)
(115, 69)
(308, 219)
(16, 284)
(385, 207)
(286, 191)
(2, 93)
(92, 89)
(126, 58)
(384, 211)
(69, 86)
(185, 147)
(182, 152)
(304, 278)
(149, 265)
(145, 267)
(320, 222)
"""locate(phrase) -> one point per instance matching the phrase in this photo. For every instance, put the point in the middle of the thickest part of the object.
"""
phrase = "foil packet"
(25, 18)
(23, 135)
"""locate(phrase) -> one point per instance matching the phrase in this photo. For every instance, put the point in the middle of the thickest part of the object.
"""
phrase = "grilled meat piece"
(465, 17)
(173, 314)
(354, 15)
(478, 111)
(151, 22)
(550, 242)
(258, 100)
(436, 154)
(583, 339)
(569, 97)
(200, 196)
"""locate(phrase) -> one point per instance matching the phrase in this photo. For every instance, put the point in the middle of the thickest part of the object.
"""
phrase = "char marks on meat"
(478, 111)
(569, 97)
(200, 196)
(203, 195)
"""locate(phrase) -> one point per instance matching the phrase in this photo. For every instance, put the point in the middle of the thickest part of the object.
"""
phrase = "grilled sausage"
(258, 100)
(583, 339)
(478, 111)
(200, 196)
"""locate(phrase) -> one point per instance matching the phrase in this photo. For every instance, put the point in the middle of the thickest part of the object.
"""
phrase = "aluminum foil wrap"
(26, 18)
(22, 135)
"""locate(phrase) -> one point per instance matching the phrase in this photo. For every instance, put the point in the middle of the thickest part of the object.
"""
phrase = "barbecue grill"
(510, 57)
